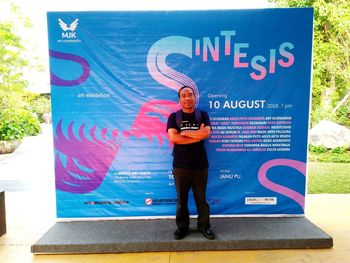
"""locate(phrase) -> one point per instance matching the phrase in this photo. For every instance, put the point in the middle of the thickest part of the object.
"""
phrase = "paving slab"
(124, 236)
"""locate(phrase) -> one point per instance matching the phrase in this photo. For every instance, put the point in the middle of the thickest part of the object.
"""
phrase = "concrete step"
(121, 236)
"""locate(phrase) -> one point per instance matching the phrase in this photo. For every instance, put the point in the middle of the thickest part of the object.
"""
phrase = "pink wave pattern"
(262, 176)
(148, 121)
(88, 160)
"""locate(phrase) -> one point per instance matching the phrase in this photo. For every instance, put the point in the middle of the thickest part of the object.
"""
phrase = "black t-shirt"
(194, 155)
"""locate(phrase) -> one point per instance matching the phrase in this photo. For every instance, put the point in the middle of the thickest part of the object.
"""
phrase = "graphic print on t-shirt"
(186, 125)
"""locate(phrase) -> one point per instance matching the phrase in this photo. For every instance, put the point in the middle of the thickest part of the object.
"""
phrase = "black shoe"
(208, 233)
(180, 233)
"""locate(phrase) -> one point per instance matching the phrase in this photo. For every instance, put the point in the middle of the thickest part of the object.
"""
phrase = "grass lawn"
(328, 178)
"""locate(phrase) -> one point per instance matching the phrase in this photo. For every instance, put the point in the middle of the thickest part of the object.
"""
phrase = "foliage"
(343, 114)
(317, 149)
(16, 119)
(331, 57)
(39, 105)
(17, 116)
(323, 149)
(339, 150)
(322, 154)
(14, 125)
(12, 61)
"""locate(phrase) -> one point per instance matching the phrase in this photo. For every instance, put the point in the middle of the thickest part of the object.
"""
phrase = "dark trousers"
(185, 179)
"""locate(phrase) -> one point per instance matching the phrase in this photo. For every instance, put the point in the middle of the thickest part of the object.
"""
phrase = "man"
(187, 129)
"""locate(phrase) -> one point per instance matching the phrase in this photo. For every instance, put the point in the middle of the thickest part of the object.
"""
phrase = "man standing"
(187, 129)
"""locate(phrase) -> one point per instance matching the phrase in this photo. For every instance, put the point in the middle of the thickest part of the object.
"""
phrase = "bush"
(29, 122)
(343, 114)
(317, 149)
(15, 124)
(16, 119)
(39, 105)
(339, 150)
(322, 154)
(10, 130)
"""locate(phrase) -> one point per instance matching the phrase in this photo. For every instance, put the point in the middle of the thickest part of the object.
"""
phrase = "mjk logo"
(72, 27)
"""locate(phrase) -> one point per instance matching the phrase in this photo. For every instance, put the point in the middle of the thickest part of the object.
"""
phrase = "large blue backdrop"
(114, 80)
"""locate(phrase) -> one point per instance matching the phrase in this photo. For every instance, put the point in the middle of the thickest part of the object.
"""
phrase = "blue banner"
(114, 82)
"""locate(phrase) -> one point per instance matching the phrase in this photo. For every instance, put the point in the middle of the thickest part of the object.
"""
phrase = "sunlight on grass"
(330, 178)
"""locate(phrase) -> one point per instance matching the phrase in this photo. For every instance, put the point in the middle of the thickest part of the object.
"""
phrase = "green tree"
(12, 62)
(331, 58)
(16, 118)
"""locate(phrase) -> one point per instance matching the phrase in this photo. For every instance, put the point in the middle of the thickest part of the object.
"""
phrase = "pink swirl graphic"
(262, 176)
(161, 72)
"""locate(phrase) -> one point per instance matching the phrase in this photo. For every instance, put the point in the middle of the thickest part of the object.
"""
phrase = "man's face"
(187, 99)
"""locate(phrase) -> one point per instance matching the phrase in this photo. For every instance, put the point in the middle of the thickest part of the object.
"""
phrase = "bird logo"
(72, 27)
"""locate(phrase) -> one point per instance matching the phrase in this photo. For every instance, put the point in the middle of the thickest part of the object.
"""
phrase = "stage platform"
(125, 236)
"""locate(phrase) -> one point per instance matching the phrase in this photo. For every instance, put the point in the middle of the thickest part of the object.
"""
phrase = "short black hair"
(184, 87)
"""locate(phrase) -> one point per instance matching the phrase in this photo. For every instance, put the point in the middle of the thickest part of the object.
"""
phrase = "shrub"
(16, 118)
(339, 150)
(317, 149)
(29, 122)
(39, 105)
(15, 124)
(322, 154)
(10, 130)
